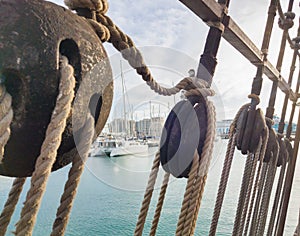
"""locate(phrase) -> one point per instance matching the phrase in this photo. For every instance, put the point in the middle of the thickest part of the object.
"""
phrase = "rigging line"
(289, 157)
(287, 23)
(258, 79)
(289, 181)
(257, 179)
(291, 75)
(289, 128)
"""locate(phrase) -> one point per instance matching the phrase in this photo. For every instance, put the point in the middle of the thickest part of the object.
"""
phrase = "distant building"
(120, 126)
(150, 127)
(223, 127)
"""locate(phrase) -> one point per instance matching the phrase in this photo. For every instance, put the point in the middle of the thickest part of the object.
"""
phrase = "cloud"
(170, 24)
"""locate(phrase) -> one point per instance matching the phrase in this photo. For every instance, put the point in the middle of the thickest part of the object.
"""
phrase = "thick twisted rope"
(124, 44)
(205, 161)
(277, 198)
(160, 203)
(249, 190)
(261, 182)
(195, 186)
(6, 116)
(67, 199)
(189, 191)
(262, 152)
(267, 193)
(147, 197)
(49, 149)
(108, 31)
(243, 192)
(10, 204)
(225, 173)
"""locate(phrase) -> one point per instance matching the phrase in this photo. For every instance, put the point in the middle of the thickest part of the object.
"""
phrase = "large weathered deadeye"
(30, 45)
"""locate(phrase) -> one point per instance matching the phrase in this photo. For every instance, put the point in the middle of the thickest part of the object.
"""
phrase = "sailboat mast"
(123, 97)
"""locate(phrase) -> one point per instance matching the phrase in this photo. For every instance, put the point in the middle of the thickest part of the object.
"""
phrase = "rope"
(259, 193)
(276, 200)
(192, 200)
(267, 193)
(159, 205)
(124, 44)
(206, 158)
(189, 191)
(10, 204)
(243, 192)
(48, 150)
(257, 178)
(67, 199)
(249, 189)
(225, 173)
(108, 31)
(147, 197)
(6, 116)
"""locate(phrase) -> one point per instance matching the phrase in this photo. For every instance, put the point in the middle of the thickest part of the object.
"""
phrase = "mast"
(123, 99)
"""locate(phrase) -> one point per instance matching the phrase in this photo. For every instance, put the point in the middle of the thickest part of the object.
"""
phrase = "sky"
(172, 39)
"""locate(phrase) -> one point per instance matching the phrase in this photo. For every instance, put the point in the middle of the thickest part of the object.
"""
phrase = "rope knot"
(287, 22)
(198, 87)
(98, 6)
(255, 97)
(269, 122)
(296, 43)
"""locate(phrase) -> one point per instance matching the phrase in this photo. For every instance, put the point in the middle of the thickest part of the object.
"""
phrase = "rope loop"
(99, 6)
(287, 22)
(255, 97)
(270, 122)
(296, 43)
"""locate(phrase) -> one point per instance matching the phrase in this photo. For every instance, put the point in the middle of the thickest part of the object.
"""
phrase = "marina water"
(112, 189)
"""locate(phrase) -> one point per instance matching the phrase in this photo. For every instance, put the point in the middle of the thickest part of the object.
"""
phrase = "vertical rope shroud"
(48, 150)
(70, 190)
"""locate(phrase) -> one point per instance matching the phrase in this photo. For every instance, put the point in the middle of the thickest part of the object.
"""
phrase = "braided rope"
(261, 182)
(147, 197)
(249, 189)
(125, 45)
(277, 198)
(10, 204)
(6, 116)
(67, 199)
(189, 190)
(243, 192)
(225, 173)
(159, 205)
(108, 31)
(206, 158)
(195, 186)
(263, 149)
(48, 150)
(100, 6)
(267, 193)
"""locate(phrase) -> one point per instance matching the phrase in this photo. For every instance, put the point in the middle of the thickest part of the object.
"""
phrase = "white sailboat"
(127, 146)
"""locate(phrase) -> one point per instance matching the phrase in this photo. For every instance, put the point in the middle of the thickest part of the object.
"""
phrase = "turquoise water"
(112, 189)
